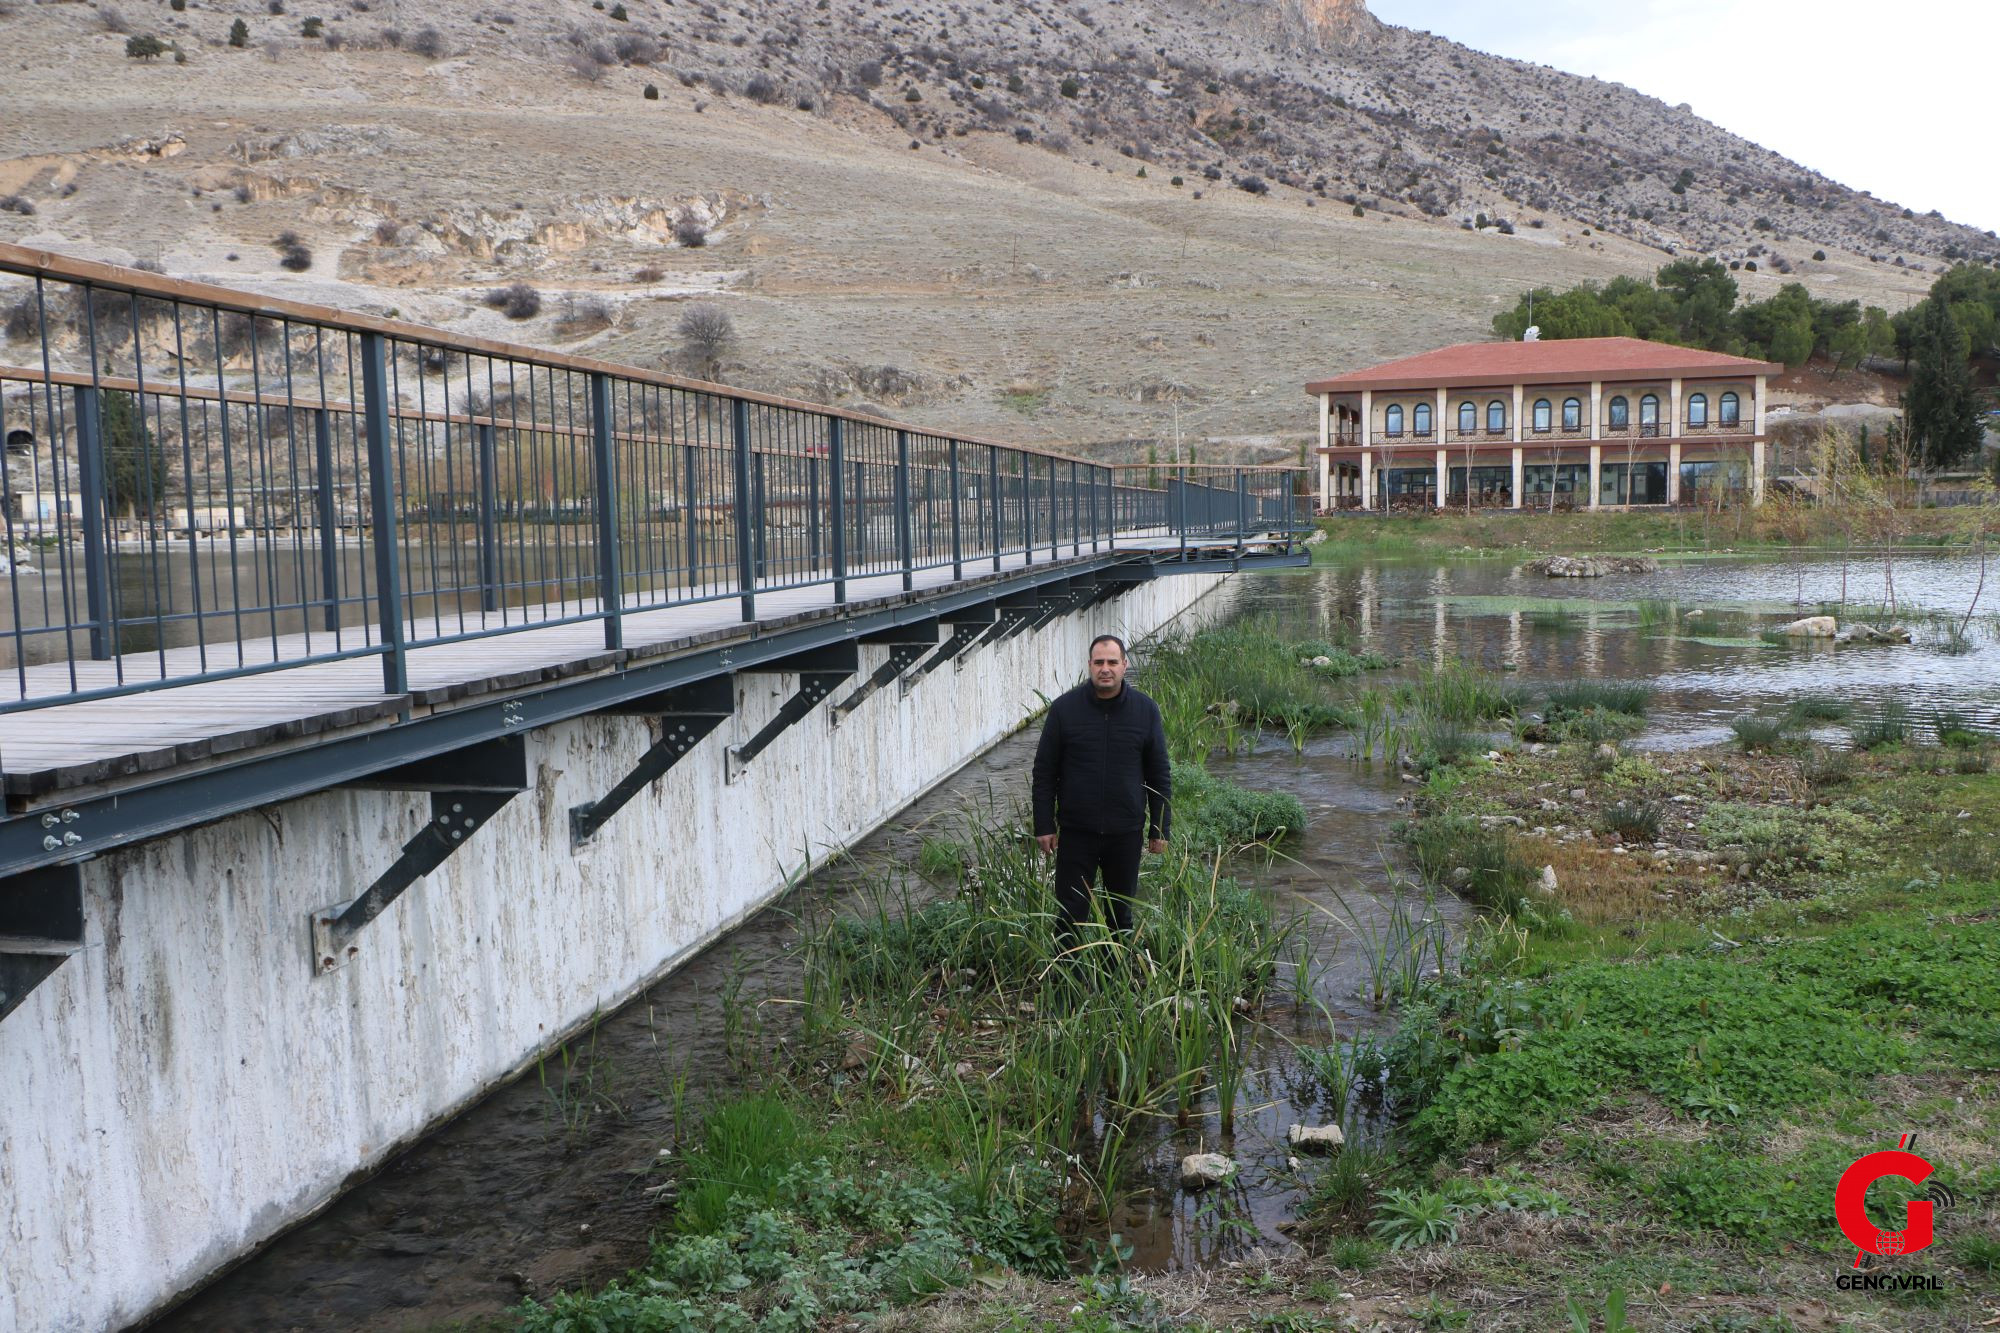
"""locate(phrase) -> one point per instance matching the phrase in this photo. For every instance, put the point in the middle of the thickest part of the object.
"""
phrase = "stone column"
(1517, 478)
(1438, 423)
(1517, 413)
(1367, 480)
(1674, 401)
(1325, 459)
(1757, 472)
(1444, 475)
(1674, 473)
(1596, 463)
(1596, 409)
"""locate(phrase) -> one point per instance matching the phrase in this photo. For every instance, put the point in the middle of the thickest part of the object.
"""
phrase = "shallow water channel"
(546, 1182)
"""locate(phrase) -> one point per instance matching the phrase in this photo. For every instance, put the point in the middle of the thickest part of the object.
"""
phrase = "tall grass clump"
(1240, 678)
(1888, 724)
(1596, 710)
(1820, 708)
(1495, 875)
(1758, 731)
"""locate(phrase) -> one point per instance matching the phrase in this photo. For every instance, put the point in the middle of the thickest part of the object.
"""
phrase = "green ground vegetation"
(1705, 983)
(965, 1090)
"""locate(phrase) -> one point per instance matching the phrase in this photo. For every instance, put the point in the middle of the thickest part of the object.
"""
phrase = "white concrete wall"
(186, 1087)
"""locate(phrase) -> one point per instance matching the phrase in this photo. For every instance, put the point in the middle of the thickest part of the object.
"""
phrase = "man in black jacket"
(1103, 785)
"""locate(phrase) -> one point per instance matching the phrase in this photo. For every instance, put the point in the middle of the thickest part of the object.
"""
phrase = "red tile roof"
(1555, 361)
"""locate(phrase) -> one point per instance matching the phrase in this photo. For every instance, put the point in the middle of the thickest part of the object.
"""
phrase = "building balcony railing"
(1531, 438)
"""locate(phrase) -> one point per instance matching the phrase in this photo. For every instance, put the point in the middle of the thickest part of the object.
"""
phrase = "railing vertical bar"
(605, 475)
(994, 503)
(329, 550)
(90, 508)
(836, 465)
(745, 579)
(489, 520)
(1181, 497)
(957, 528)
(382, 519)
(905, 556)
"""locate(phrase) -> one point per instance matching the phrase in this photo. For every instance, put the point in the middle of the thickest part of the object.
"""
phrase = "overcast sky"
(1899, 99)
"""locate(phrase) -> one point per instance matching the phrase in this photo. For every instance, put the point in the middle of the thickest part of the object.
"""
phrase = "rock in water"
(1201, 1169)
(1811, 627)
(1315, 1138)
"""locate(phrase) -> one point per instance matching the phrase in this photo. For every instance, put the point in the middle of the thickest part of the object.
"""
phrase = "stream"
(544, 1183)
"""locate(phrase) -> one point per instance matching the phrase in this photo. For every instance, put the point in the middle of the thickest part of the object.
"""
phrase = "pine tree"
(1940, 405)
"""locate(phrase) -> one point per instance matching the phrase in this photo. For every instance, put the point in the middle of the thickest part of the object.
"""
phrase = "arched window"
(1572, 414)
(1732, 410)
(1420, 420)
(1698, 410)
(1496, 416)
(1468, 418)
(1621, 413)
(1542, 411)
(1392, 420)
(1649, 414)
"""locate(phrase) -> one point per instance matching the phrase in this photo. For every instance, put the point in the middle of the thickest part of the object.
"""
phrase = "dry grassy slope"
(979, 282)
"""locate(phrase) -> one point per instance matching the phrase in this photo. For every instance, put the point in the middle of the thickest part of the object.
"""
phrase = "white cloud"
(1892, 99)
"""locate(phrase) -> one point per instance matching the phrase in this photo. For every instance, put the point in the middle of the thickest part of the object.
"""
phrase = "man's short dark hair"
(1109, 638)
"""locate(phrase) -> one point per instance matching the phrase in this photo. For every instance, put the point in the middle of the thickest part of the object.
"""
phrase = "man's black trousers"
(1079, 858)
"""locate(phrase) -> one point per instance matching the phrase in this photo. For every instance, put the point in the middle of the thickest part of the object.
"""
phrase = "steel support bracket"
(686, 716)
(968, 626)
(820, 671)
(814, 687)
(907, 646)
(455, 817)
(41, 924)
(1016, 610)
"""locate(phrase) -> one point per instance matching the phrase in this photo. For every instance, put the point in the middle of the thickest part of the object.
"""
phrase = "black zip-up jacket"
(1102, 765)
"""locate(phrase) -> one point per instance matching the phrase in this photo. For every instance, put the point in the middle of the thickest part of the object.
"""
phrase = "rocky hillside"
(1047, 220)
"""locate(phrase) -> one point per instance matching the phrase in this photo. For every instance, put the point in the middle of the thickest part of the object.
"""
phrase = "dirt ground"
(976, 282)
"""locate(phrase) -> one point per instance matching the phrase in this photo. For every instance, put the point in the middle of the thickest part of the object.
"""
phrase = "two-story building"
(1571, 423)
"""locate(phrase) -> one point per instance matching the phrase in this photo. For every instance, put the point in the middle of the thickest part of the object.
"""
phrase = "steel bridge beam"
(41, 924)
(968, 626)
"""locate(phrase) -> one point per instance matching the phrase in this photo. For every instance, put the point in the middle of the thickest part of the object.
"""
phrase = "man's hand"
(1157, 846)
(1047, 842)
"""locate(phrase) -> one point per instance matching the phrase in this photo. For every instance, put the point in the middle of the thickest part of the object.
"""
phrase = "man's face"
(1107, 667)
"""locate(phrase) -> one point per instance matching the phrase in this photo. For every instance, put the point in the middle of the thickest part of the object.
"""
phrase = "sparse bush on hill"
(635, 48)
(516, 300)
(582, 316)
(14, 203)
(390, 37)
(239, 34)
(869, 73)
(111, 19)
(652, 92)
(144, 47)
(763, 89)
(430, 44)
(706, 333)
(689, 229)
(313, 27)
(581, 65)
(1253, 185)
(293, 253)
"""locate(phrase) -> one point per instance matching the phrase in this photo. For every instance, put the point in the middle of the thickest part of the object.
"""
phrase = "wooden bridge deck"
(65, 746)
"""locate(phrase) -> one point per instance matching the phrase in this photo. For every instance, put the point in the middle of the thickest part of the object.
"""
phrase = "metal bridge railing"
(203, 482)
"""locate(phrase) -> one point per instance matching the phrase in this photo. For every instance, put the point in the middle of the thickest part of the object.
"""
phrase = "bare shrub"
(689, 229)
(581, 65)
(869, 72)
(293, 253)
(648, 274)
(109, 17)
(386, 231)
(516, 300)
(430, 44)
(763, 89)
(706, 333)
(582, 316)
(334, 41)
(635, 48)
(392, 37)
(14, 203)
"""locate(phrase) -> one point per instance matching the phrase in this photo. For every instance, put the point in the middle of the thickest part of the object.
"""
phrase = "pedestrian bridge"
(299, 603)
